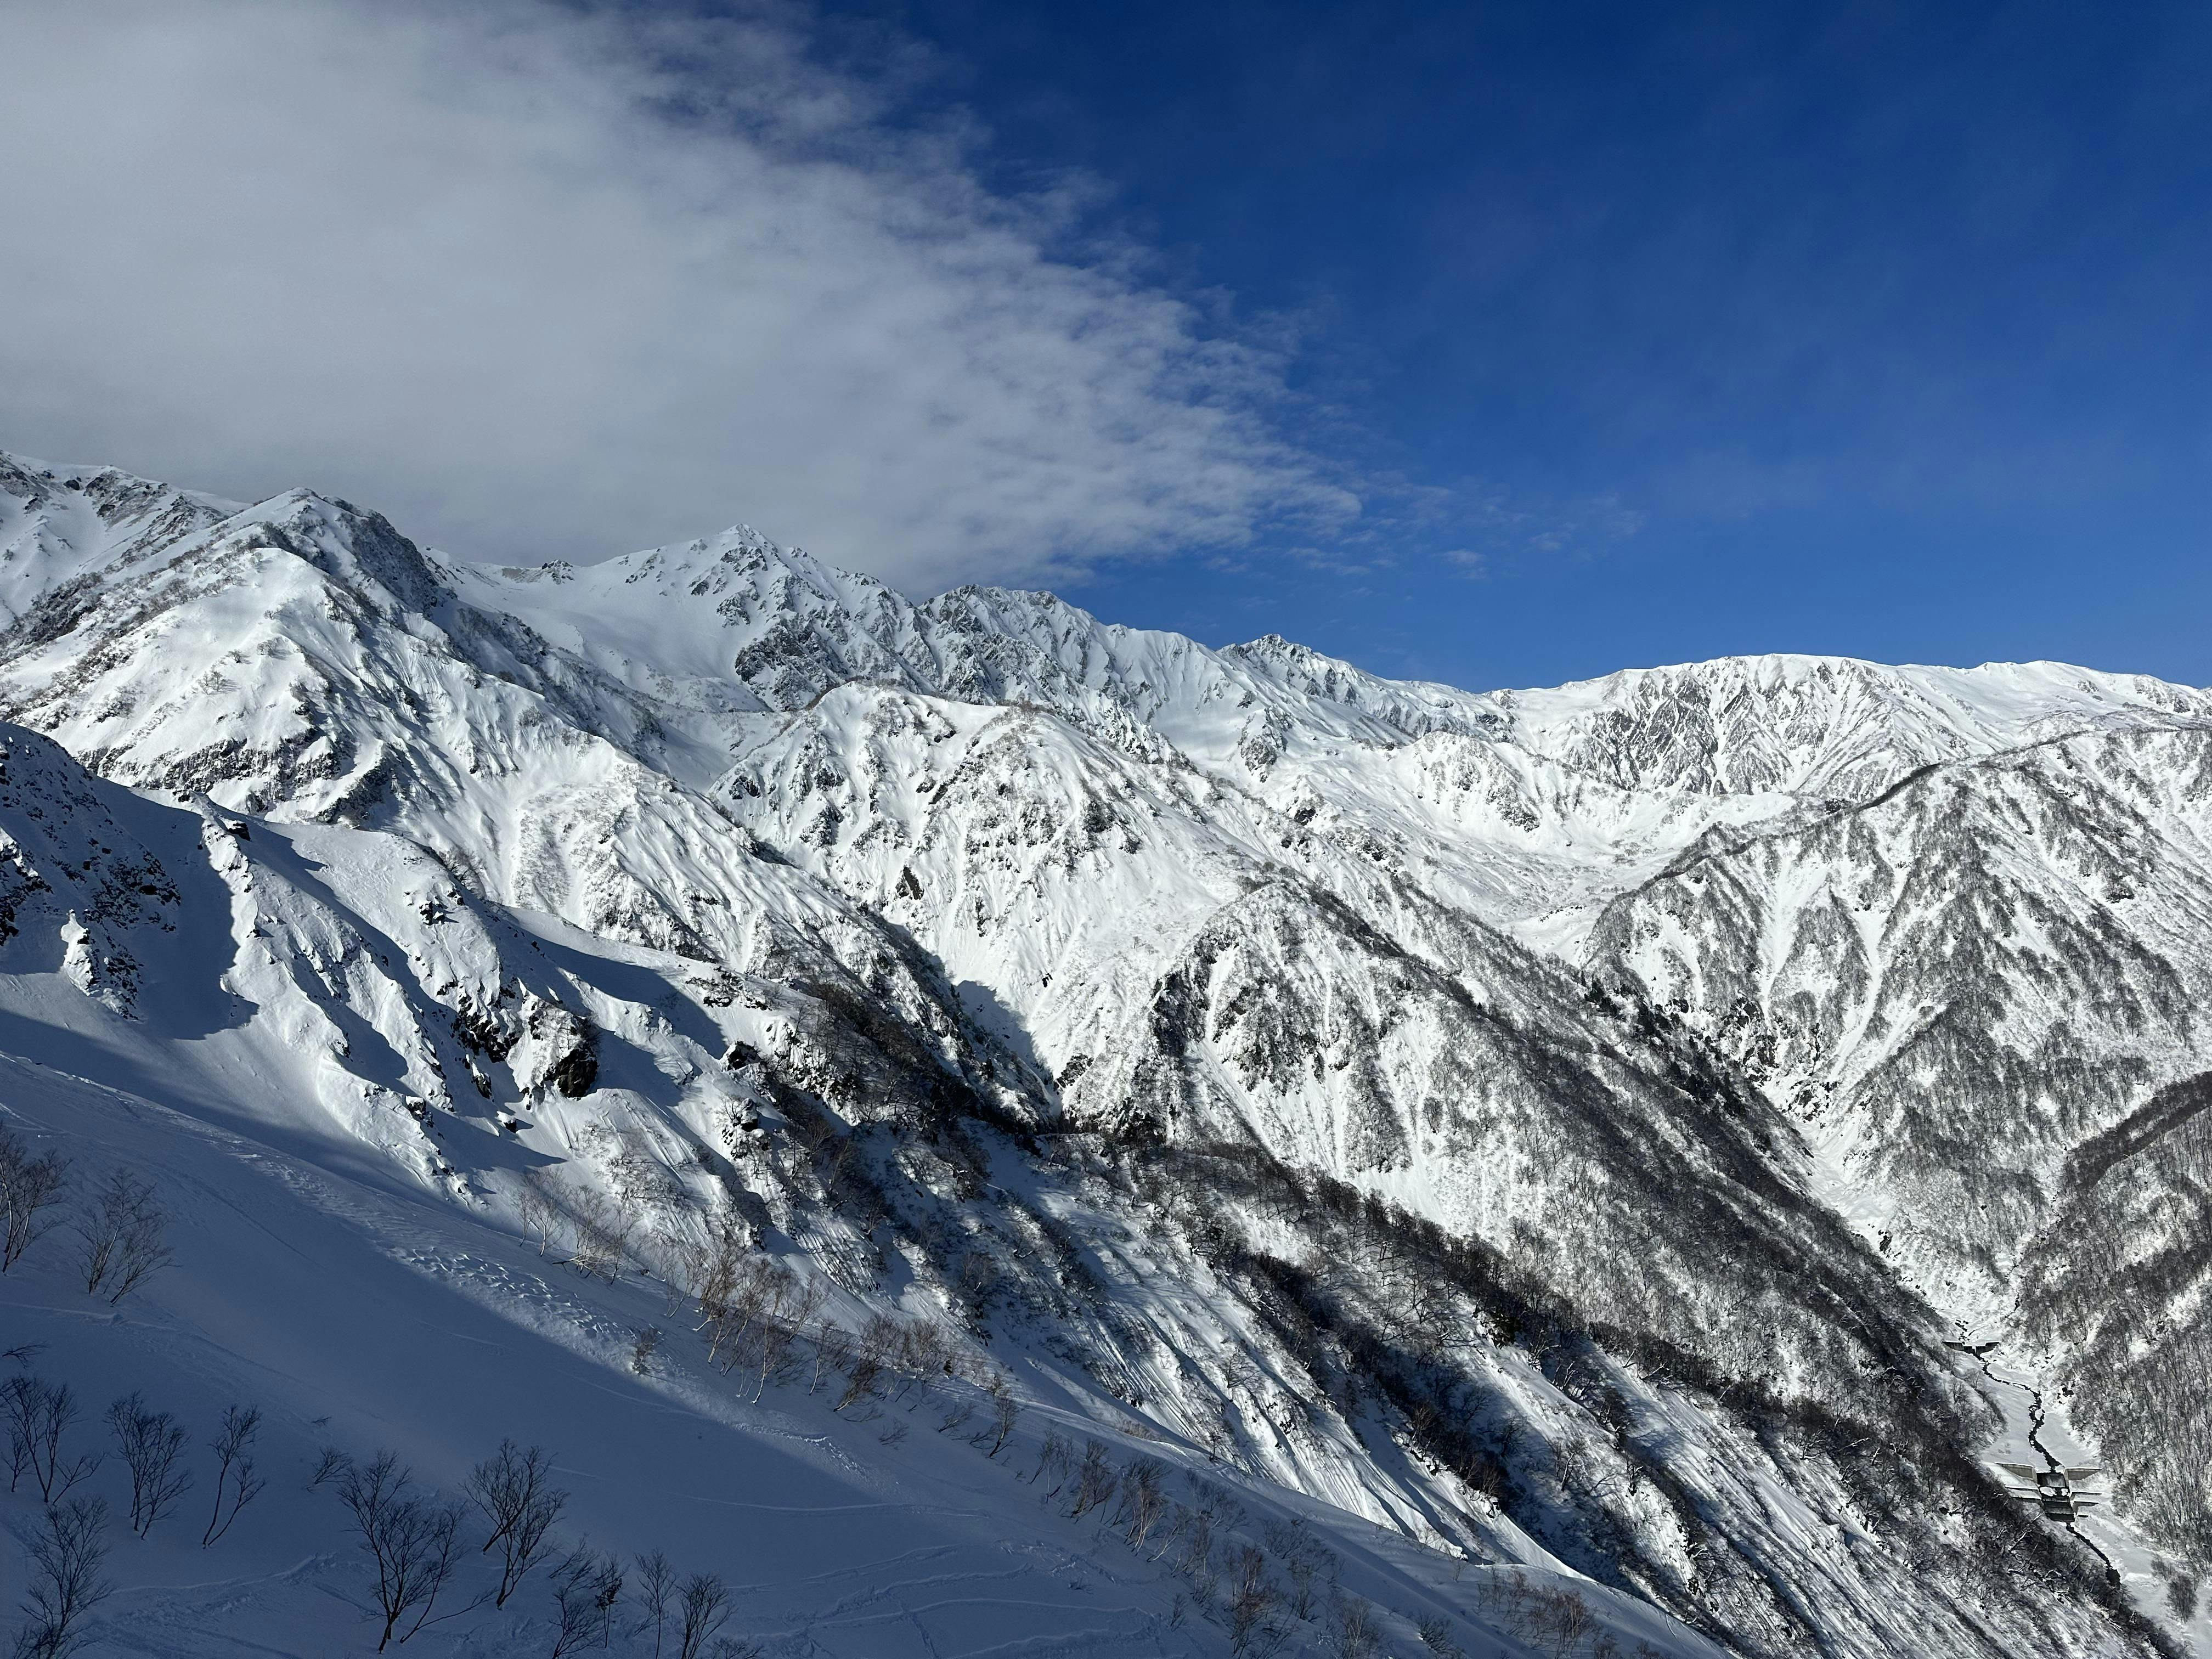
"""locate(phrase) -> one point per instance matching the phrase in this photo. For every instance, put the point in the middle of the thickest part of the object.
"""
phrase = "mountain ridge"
(1377, 1095)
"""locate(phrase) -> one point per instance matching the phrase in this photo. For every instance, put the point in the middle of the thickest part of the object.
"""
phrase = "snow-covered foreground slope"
(1326, 1093)
(357, 1314)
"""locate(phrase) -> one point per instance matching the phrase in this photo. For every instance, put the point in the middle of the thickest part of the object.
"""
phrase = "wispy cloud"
(546, 281)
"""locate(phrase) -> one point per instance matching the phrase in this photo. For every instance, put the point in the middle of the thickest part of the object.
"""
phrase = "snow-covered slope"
(1353, 1098)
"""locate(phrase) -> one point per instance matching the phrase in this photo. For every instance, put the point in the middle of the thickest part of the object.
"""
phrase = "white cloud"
(538, 282)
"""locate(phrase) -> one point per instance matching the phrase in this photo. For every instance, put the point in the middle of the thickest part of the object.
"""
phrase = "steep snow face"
(65, 527)
(1161, 1023)
(1981, 996)
(78, 891)
(1959, 982)
(1826, 727)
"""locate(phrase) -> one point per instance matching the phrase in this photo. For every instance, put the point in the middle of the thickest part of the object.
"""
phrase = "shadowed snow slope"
(1509, 1161)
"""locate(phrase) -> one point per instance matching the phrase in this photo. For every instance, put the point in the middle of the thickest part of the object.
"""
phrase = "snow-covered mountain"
(1507, 1168)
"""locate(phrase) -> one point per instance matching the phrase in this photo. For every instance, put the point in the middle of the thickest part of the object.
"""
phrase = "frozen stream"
(2037, 1434)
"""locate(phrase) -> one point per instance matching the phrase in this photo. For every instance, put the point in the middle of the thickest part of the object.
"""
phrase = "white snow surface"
(344, 884)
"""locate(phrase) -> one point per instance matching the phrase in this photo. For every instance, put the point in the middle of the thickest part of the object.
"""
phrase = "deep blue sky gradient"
(1683, 329)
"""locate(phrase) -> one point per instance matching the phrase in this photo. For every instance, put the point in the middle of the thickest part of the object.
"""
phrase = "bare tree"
(872, 1348)
(153, 1446)
(602, 1236)
(1436, 1633)
(1303, 1560)
(706, 1608)
(328, 1467)
(805, 1302)
(1006, 1414)
(921, 1353)
(1251, 1598)
(641, 1179)
(833, 1345)
(682, 1261)
(711, 1269)
(15, 1403)
(540, 1212)
(28, 1187)
(413, 1539)
(123, 1233)
(1353, 1633)
(1563, 1621)
(1143, 1501)
(585, 1586)
(65, 1582)
(39, 1413)
(1052, 1459)
(656, 1582)
(233, 1468)
(1195, 1559)
(775, 1341)
(1094, 1481)
(510, 1487)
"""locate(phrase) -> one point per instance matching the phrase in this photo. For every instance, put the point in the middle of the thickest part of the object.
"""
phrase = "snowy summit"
(693, 1105)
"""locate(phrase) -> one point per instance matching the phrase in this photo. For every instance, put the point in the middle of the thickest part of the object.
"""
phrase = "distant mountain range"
(1657, 1145)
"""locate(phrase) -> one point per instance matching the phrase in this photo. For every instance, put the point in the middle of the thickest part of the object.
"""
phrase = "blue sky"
(1500, 344)
(1875, 330)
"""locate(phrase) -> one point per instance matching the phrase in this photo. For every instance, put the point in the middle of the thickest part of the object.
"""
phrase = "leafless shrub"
(510, 1487)
(39, 1413)
(331, 1464)
(1143, 1501)
(1436, 1633)
(706, 1609)
(774, 1343)
(541, 1213)
(122, 1230)
(29, 1187)
(233, 1470)
(642, 1180)
(1052, 1459)
(1561, 1621)
(1210, 1507)
(152, 1446)
(804, 1302)
(833, 1343)
(754, 1289)
(710, 1269)
(921, 1353)
(863, 1367)
(602, 1236)
(1352, 1632)
(1006, 1414)
(1175, 1520)
(413, 1539)
(641, 1349)
(66, 1585)
(656, 1582)
(1252, 1597)
(1095, 1482)
(1304, 1560)
(586, 1587)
